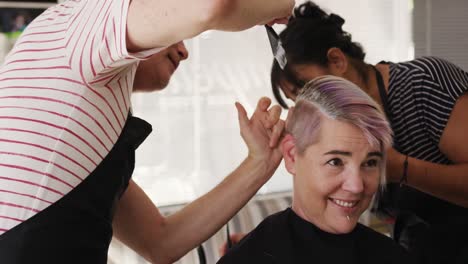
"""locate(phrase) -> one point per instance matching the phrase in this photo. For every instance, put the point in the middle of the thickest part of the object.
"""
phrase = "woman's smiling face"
(336, 177)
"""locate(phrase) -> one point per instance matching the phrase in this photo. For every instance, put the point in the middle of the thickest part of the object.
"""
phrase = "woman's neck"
(369, 83)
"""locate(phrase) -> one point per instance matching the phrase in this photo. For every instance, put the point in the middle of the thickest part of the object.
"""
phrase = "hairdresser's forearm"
(447, 182)
(164, 22)
(204, 217)
(236, 15)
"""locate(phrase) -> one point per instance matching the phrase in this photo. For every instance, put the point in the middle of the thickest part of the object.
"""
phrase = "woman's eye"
(335, 162)
(371, 163)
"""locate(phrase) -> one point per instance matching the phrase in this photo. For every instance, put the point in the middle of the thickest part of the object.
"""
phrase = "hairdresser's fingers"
(262, 114)
(242, 116)
(263, 104)
(283, 20)
(276, 134)
(273, 116)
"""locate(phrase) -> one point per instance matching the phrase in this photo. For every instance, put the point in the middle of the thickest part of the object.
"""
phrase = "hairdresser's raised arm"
(156, 23)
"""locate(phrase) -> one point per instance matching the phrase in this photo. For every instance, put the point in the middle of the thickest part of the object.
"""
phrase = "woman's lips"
(348, 206)
(344, 203)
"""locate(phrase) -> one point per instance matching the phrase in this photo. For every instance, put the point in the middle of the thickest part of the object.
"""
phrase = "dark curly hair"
(310, 33)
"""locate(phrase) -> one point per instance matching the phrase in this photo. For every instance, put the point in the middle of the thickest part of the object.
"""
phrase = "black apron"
(78, 227)
(434, 230)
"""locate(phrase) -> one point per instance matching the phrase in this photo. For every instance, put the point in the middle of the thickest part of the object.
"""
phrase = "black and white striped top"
(421, 96)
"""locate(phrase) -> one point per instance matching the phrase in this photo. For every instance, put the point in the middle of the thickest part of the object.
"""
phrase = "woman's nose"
(354, 182)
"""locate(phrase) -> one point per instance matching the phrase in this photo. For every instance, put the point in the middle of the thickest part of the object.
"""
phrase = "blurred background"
(195, 141)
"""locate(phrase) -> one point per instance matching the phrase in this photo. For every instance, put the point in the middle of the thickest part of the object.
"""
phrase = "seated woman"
(335, 144)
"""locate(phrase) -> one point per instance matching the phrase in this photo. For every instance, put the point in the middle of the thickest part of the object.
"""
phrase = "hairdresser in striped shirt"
(426, 102)
(67, 135)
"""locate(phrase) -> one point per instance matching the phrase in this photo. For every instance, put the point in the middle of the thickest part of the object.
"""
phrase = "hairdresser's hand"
(283, 21)
(395, 162)
(262, 132)
(237, 15)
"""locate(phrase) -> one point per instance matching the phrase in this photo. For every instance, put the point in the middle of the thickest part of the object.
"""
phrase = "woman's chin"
(343, 226)
(348, 228)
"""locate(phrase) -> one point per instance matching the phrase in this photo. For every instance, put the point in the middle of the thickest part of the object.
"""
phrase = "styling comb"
(277, 47)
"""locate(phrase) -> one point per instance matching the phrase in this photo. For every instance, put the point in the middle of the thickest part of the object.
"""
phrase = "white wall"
(440, 29)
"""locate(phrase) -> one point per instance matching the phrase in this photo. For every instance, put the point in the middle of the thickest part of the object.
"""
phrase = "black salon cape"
(77, 229)
(286, 238)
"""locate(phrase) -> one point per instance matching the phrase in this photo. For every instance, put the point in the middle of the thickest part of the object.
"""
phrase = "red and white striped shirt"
(64, 98)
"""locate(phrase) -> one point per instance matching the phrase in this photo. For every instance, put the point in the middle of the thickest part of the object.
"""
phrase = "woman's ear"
(337, 62)
(288, 146)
